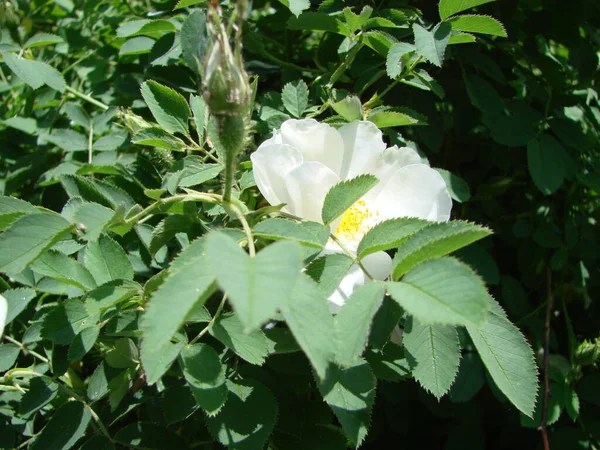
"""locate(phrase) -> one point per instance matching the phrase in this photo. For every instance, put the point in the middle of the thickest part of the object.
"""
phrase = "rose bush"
(305, 158)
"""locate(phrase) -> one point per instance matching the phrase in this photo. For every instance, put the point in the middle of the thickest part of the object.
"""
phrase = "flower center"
(356, 221)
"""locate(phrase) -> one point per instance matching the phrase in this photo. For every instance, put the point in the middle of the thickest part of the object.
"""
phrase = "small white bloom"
(305, 158)
(3, 312)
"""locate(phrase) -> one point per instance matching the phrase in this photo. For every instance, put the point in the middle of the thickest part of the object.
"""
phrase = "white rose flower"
(3, 311)
(305, 158)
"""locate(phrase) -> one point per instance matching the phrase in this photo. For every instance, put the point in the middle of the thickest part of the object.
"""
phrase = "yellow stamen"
(356, 221)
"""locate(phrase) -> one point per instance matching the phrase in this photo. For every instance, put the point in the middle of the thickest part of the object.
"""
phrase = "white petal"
(363, 145)
(415, 191)
(388, 163)
(307, 185)
(378, 264)
(3, 312)
(271, 163)
(354, 279)
(316, 141)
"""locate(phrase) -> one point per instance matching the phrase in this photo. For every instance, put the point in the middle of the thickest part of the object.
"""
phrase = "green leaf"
(41, 39)
(66, 139)
(194, 40)
(477, 24)
(344, 194)
(8, 356)
(295, 97)
(28, 237)
(34, 73)
(328, 271)
(195, 173)
(431, 45)
(450, 7)
(395, 117)
(147, 435)
(138, 45)
(438, 239)
(349, 108)
(247, 419)
(168, 107)
(296, 6)
(350, 393)
(65, 427)
(17, 300)
(123, 355)
(42, 391)
(200, 111)
(307, 314)
(109, 294)
(385, 321)
(92, 219)
(110, 143)
(389, 234)
(65, 321)
(185, 3)
(253, 346)
(318, 22)
(546, 163)
(394, 61)
(433, 353)
(152, 28)
(205, 374)
(168, 228)
(389, 363)
(106, 260)
(457, 187)
(83, 343)
(311, 234)
(12, 208)
(25, 124)
(77, 114)
(157, 137)
(461, 38)
(59, 266)
(256, 286)
(191, 283)
(442, 291)
(507, 357)
(353, 322)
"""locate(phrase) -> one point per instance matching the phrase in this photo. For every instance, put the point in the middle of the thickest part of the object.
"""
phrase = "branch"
(549, 306)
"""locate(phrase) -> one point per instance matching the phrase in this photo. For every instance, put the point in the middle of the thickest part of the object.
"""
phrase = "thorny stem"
(87, 98)
(549, 306)
(212, 321)
(200, 196)
(245, 225)
(25, 349)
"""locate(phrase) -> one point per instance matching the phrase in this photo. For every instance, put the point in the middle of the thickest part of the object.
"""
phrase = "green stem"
(229, 173)
(87, 98)
(347, 62)
(90, 142)
(212, 321)
(24, 349)
(247, 229)
(200, 197)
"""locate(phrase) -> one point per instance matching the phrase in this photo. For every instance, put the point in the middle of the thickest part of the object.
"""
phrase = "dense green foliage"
(148, 310)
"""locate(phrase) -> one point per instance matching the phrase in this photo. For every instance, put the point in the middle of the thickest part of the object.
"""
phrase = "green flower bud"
(226, 87)
(587, 352)
(132, 121)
